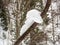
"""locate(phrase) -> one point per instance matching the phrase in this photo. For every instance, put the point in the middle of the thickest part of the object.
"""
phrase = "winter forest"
(29, 22)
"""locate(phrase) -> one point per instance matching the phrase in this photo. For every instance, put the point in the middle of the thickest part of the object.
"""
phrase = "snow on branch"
(34, 24)
(31, 17)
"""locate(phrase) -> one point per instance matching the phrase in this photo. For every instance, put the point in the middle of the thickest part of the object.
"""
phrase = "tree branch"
(34, 25)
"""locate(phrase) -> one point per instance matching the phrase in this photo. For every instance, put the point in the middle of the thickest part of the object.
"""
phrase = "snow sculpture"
(31, 17)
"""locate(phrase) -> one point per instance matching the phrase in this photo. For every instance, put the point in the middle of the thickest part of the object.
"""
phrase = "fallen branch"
(43, 14)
